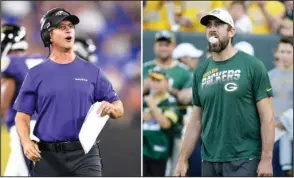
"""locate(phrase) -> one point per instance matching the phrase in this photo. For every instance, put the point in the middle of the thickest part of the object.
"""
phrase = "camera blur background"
(259, 27)
(115, 27)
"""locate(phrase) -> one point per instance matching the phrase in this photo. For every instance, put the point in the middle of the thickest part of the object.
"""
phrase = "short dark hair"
(287, 40)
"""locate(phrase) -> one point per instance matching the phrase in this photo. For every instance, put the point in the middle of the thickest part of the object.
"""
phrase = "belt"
(59, 146)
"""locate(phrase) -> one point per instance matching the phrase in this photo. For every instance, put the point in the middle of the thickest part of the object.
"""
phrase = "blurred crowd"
(115, 28)
(250, 17)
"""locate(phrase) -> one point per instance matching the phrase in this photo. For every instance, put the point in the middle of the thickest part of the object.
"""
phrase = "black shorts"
(240, 168)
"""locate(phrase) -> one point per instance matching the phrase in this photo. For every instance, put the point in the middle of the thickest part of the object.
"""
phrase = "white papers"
(91, 127)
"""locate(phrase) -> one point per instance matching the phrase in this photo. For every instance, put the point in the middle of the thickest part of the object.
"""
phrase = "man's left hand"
(265, 168)
(106, 108)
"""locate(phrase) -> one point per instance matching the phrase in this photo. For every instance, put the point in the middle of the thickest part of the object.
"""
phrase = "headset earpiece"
(45, 33)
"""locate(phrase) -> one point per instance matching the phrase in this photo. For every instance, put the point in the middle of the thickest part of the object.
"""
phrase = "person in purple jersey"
(85, 48)
(61, 90)
(15, 63)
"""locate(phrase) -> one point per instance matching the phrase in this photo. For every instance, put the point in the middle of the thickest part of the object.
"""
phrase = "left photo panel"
(71, 88)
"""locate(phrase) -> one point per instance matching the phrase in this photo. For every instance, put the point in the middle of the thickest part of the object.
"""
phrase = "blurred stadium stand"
(260, 43)
(266, 16)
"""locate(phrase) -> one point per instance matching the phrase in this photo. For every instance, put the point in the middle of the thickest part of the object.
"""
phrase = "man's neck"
(225, 54)
(164, 63)
(62, 56)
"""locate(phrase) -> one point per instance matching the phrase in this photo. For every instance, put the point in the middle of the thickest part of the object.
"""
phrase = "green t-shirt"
(178, 73)
(228, 92)
(156, 140)
(179, 78)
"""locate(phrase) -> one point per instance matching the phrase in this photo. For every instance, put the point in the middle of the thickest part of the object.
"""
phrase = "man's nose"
(67, 30)
(212, 28)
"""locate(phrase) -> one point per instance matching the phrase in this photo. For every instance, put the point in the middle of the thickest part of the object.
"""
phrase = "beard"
(219, 46)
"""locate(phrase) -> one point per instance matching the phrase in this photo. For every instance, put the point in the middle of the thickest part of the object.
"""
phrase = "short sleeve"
(261, 83)
(195, 94)
(104, 90)
(27, 97)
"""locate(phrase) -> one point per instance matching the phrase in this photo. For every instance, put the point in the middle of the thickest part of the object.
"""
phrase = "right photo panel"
(217, 88)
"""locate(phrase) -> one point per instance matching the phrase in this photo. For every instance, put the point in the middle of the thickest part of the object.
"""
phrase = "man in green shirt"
(189, 55)
(180, 82)
(232, 108)
(179, 73)
(160, 116)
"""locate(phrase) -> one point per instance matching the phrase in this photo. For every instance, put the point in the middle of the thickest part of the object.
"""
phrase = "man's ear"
(51, 35)
(232, 32)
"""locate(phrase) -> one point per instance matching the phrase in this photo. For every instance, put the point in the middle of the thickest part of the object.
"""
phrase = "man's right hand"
(31, 150)
(181, 169)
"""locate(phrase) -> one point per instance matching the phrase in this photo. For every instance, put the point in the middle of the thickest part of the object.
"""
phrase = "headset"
(46, 25)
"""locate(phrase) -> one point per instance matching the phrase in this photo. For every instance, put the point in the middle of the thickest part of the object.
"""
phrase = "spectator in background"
(262, 13)
(285, 23)
(177, 15)
(85, 48)
(179, 74)
(289, 9)
(190, 13)
(245, 47)
(160, 116)
(286, 121)
(282, 84)
(242, 21)
(180, 80)
(282, 78)
(286, 143)
(277, 62)
(160, 15)
(282, 21)
(188, 54)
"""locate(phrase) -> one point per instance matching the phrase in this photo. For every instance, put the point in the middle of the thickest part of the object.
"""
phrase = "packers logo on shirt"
(231, 87)
(215, 76)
